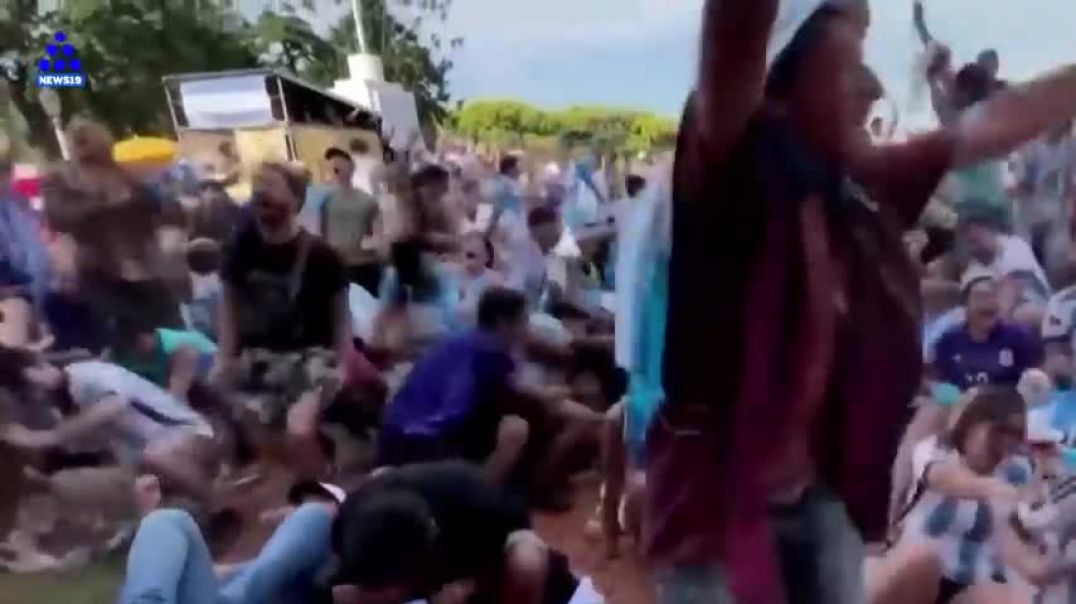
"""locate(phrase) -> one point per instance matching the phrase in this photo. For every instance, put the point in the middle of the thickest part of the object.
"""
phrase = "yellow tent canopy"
(145, 150)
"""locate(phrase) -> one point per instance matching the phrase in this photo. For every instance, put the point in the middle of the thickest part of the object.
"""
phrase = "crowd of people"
(428, 336)
(809, 360)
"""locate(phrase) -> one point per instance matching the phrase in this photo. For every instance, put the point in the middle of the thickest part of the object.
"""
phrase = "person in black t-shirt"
(285, 326)
(442, 532)
(288, 285)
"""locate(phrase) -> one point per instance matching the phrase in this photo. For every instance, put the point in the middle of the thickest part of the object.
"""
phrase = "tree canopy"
(127, 46)
(608, 129)
(419, 64)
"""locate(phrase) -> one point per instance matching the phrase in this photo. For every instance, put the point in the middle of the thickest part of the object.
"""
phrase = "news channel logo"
(61, 67)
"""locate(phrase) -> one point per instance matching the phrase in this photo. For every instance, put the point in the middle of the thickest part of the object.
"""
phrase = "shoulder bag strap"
(295, 280)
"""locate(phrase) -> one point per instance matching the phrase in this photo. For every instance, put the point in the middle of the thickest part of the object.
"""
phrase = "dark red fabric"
(358, 369)
(769, 369)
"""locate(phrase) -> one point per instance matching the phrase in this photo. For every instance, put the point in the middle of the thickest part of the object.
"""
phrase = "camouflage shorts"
(268, 383)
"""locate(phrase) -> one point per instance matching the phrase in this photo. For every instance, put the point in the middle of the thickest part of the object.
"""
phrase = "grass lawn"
(95, 584)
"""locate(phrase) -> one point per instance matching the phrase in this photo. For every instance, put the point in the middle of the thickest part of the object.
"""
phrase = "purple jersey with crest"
(1001, 359)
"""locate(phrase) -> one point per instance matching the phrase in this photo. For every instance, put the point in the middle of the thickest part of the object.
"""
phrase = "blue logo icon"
(61, 68)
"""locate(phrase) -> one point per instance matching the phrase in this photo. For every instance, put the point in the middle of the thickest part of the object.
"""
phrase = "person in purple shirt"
(985, 349)
(455, 402)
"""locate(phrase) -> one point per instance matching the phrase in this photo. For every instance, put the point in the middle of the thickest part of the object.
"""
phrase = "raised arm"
(732, 71)
(906, 174)
(919, 17)
(1014, 116)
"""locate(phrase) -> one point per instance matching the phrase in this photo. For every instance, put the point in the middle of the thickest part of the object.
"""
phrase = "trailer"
(227, 122)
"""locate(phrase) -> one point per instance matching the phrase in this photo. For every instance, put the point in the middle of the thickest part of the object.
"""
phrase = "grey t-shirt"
(347, 220)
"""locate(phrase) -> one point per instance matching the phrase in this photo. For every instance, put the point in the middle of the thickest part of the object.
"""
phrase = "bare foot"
(147, 493)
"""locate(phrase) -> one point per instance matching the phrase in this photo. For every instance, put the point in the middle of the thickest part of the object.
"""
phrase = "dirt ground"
(623, 581)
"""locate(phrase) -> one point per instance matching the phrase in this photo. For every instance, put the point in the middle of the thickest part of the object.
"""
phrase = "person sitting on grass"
(285, 326)
(170, 561)
(948, 517)
(442, 533)
(459, 400)
(145, 426)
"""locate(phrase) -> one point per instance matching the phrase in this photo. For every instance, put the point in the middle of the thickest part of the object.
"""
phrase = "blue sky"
(641, 53)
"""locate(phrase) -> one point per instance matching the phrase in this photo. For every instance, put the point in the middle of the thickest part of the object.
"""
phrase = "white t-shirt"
(1015, 258)
(151, 411)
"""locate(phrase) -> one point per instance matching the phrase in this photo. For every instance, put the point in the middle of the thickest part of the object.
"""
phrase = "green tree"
(419, 65)
(289, 42)
(125, 87)
(125, 47)
(22, 29)
(647, 132)
(612, 132)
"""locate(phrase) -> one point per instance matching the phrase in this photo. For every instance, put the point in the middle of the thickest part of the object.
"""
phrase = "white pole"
(61, 138)
(356, 11)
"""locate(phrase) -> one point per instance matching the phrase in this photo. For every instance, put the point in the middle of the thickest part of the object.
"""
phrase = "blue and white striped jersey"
(1056, 538)
(962, 529)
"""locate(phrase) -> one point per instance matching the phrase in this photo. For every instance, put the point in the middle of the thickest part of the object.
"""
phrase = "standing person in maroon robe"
(792, 346)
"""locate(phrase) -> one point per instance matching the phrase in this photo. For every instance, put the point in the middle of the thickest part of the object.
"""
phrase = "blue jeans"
(169, 562)
(820, 554)
(693, 585)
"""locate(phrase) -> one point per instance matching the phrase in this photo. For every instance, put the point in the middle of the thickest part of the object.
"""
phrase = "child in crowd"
(438, 532)
(204, 258)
